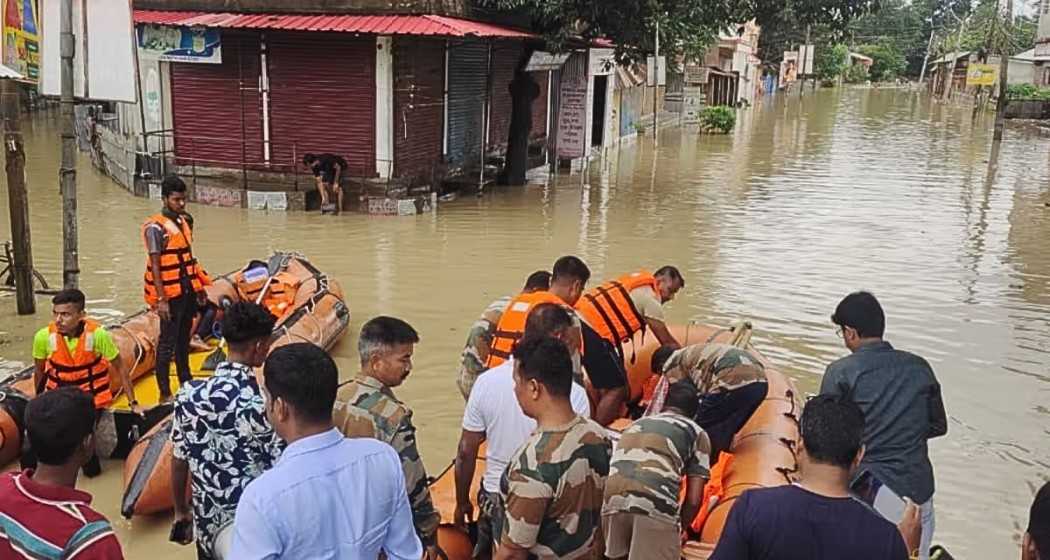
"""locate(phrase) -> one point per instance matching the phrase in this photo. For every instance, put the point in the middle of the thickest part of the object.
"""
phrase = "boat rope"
(140, 353)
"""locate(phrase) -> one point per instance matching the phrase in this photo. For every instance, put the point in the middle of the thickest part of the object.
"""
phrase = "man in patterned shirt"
(731, 381)
(553, 487)
(641, 517)
(220, 432)
(367, 407)
(476, 351)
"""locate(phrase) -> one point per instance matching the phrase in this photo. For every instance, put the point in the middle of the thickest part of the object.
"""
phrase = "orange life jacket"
(714, 491)
(85, 368)
(511, 325)
(280, 295)
(609, 310)
(176, 261)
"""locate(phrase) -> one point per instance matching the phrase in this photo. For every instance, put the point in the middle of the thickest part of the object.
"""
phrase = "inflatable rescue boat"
(763, 451)
(312, 309)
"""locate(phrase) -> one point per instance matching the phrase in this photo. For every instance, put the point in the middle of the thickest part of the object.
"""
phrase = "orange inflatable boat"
(317, 313)
(763, 450)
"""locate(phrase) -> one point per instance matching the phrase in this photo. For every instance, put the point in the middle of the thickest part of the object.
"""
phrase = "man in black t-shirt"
(328, 170)
(817, 518)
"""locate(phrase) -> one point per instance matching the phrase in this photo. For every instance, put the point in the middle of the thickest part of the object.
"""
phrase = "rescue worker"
(570, 276)
(174, 282)
(618, 309)
(613, 312)
(367, 407)
(476, 351)
(74, 350)
(731, 383)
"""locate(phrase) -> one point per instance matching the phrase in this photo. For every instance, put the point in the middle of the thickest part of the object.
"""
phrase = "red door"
(217, 108)
(322, 97)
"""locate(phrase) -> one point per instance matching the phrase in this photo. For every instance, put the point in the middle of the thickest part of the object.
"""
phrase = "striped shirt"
(43, 522)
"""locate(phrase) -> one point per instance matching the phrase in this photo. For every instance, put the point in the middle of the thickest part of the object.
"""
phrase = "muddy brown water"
(809, 199)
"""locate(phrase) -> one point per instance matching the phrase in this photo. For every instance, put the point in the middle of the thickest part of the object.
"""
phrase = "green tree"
(888, 63)
(830, 61)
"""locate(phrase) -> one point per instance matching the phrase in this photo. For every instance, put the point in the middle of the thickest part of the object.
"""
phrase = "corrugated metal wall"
(505, 58)
(323, 97)
(419, 106)
(467, 67)
(217, 108)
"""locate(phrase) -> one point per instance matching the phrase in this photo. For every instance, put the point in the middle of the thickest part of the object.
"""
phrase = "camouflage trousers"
(490, 523)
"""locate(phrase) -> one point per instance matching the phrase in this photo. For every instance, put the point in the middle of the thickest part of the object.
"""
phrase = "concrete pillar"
(384, 106)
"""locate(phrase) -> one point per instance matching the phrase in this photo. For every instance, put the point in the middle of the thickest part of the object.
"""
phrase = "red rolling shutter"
(217, 108)
(322, 97)
(419, 106)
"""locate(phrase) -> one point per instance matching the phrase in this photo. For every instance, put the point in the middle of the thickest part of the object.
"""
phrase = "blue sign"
(180, 44)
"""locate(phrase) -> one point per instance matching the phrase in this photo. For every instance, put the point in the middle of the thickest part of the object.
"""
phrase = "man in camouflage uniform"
(641, 517)
(476, 351)
(367, 407)
(731, 381)
(553, 488)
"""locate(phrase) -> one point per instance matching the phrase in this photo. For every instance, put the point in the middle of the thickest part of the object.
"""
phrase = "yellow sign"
(21, 38)
(982, 74)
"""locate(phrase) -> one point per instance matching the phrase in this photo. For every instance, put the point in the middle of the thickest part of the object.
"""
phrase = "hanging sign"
(180, 44)
(572, 114)
(543, 61)
(982, 74)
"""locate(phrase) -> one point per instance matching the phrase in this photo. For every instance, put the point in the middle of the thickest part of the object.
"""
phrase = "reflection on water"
(808, 200)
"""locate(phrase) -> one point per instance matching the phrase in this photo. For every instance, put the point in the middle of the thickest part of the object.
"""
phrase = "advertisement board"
(104, 50)
(572, 117)
(180, 44)
(982, 74)
(21, 50)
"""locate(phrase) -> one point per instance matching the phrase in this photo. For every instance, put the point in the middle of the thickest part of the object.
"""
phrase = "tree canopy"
(686, 26)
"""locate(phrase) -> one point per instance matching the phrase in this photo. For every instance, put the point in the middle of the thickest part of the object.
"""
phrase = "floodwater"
(808, 200)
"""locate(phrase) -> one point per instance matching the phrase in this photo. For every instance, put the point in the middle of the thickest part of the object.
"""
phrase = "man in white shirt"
(494, 415)
(328, 497)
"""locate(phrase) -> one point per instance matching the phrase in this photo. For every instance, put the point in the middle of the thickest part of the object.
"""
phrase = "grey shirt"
(902, 406)
(157, 237)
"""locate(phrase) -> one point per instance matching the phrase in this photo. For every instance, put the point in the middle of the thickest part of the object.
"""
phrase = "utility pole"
(15, 159)
(804, 56)
(926, 59)
(955, 58)
(656, 80)
(1004, 65)
(68, 172)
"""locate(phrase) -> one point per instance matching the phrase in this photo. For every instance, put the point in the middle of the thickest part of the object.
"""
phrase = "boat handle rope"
(791, 397)
(140, 352)
(787, 472)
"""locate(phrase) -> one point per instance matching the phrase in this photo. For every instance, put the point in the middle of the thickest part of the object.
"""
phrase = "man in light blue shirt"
(328, 497)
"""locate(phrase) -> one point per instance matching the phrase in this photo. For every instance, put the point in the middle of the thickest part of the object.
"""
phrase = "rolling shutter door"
(322, 92)
(419, 82)
(217, 108)
(467, 66)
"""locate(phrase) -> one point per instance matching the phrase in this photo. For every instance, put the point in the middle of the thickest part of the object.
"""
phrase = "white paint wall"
(384, 106)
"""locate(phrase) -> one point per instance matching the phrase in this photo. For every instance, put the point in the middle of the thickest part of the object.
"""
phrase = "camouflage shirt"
(650, 460)
(552, 492)
(476, 351)
(366, 408)
(715, 367)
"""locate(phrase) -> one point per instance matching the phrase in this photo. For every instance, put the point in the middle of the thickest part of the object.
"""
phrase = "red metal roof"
(433, 25)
